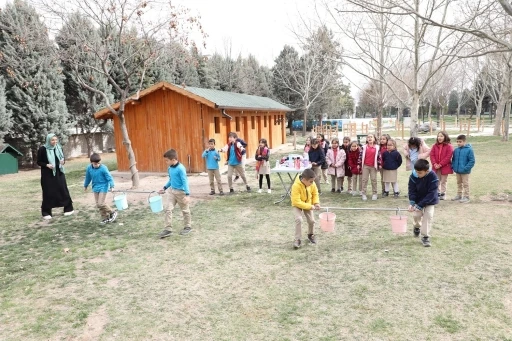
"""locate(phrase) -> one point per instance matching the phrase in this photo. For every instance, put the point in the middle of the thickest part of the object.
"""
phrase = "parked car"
(425, 127)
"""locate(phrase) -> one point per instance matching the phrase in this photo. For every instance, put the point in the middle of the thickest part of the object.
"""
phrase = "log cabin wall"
(160, 121)
(165, 119)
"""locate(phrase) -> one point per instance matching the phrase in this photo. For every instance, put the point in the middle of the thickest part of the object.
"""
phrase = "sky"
(260, 28)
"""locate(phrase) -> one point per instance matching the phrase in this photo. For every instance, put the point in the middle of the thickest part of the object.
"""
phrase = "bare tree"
(314, 73)
(424, 52)
(133, 35)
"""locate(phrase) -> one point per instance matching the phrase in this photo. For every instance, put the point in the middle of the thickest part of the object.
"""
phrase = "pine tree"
(5, 116)
(34, 80)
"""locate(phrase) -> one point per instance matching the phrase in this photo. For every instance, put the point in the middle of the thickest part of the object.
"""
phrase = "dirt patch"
(502, 197)
(95, 325)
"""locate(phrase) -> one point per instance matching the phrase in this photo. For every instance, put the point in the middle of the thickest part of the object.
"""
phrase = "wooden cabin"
(166, 116)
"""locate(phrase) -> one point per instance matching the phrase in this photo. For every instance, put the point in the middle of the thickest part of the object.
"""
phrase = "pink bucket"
(327, 221)
(398, 223)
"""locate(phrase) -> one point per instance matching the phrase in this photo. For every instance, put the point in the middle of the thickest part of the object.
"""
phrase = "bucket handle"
(398, 213)
(119, 193)
(149, 196)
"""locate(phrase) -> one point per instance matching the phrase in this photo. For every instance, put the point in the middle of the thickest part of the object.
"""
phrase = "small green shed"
(8, 159)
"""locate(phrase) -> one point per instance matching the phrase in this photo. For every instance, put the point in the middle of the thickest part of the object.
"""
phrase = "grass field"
(237, 277)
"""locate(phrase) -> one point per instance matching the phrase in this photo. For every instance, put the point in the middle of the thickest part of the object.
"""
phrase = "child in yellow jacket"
(305, 198)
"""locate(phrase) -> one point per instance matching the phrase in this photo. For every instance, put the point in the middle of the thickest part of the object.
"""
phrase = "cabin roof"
(213, 98)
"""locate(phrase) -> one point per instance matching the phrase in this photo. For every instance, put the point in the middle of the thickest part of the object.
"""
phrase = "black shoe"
(442, 196)
(221, 193)
(186, 230)
(416, 231)
(296, 244)
(236, 178)
(333, 190)
(312, 238)
(112, 216)
(231, 191)
(212, 192)
(396, 195)
(425, 241)
(385, 194)
(248, 188)
(105, 221)
(164, 233)
(339, 190)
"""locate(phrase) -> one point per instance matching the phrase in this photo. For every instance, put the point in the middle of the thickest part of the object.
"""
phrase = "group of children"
(425, 188)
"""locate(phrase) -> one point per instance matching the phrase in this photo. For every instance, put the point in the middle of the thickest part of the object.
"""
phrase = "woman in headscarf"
(53, 181)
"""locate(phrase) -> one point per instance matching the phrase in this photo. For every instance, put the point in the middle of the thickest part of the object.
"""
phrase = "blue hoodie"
(212, 158)
(463, 159)
(101, 179)
(423, 191)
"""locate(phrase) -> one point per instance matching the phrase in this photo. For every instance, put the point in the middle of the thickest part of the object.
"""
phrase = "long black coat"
(55, 188)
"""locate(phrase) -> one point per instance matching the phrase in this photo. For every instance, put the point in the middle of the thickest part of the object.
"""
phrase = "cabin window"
(265, 121)
(237, 123)
(253, 122)
(216, 121)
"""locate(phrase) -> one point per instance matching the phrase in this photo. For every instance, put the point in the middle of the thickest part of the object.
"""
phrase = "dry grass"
(236, 276)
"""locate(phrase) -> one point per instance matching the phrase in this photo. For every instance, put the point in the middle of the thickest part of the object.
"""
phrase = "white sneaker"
(269, 191)
(364, 197)
(374, 197)
(69, 213)
(47, 217)
(259, 191)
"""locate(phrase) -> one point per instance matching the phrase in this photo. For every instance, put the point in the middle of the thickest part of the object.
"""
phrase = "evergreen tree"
(34, 80)
(82, 102)
(5, 116)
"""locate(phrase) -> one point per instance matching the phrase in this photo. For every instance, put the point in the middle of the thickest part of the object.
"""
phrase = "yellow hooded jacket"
(304, 197)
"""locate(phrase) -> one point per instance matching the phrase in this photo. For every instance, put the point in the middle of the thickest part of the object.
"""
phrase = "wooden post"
(402, 130)
(294, 140)
(469, 127)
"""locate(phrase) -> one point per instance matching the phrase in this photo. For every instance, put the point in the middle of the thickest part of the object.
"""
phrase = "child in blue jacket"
(102, 181)
(463, 160)
(212, 166)
(179, 193)
(422, 198)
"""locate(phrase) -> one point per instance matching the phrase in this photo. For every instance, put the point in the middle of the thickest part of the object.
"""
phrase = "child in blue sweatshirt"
(463, 160)
(179, 193)
(212, 166)
(422, 198)
(102, 181)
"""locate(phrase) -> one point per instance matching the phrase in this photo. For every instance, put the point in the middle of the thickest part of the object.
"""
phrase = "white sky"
(261, 27)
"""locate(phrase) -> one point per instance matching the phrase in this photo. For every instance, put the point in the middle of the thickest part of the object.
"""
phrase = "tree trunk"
(499, 114)
(304, 126)
(479, 111)
(131, 155)
(414, 114)
(506, 121)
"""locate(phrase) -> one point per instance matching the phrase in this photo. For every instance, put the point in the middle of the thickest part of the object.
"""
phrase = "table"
(288, 170)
